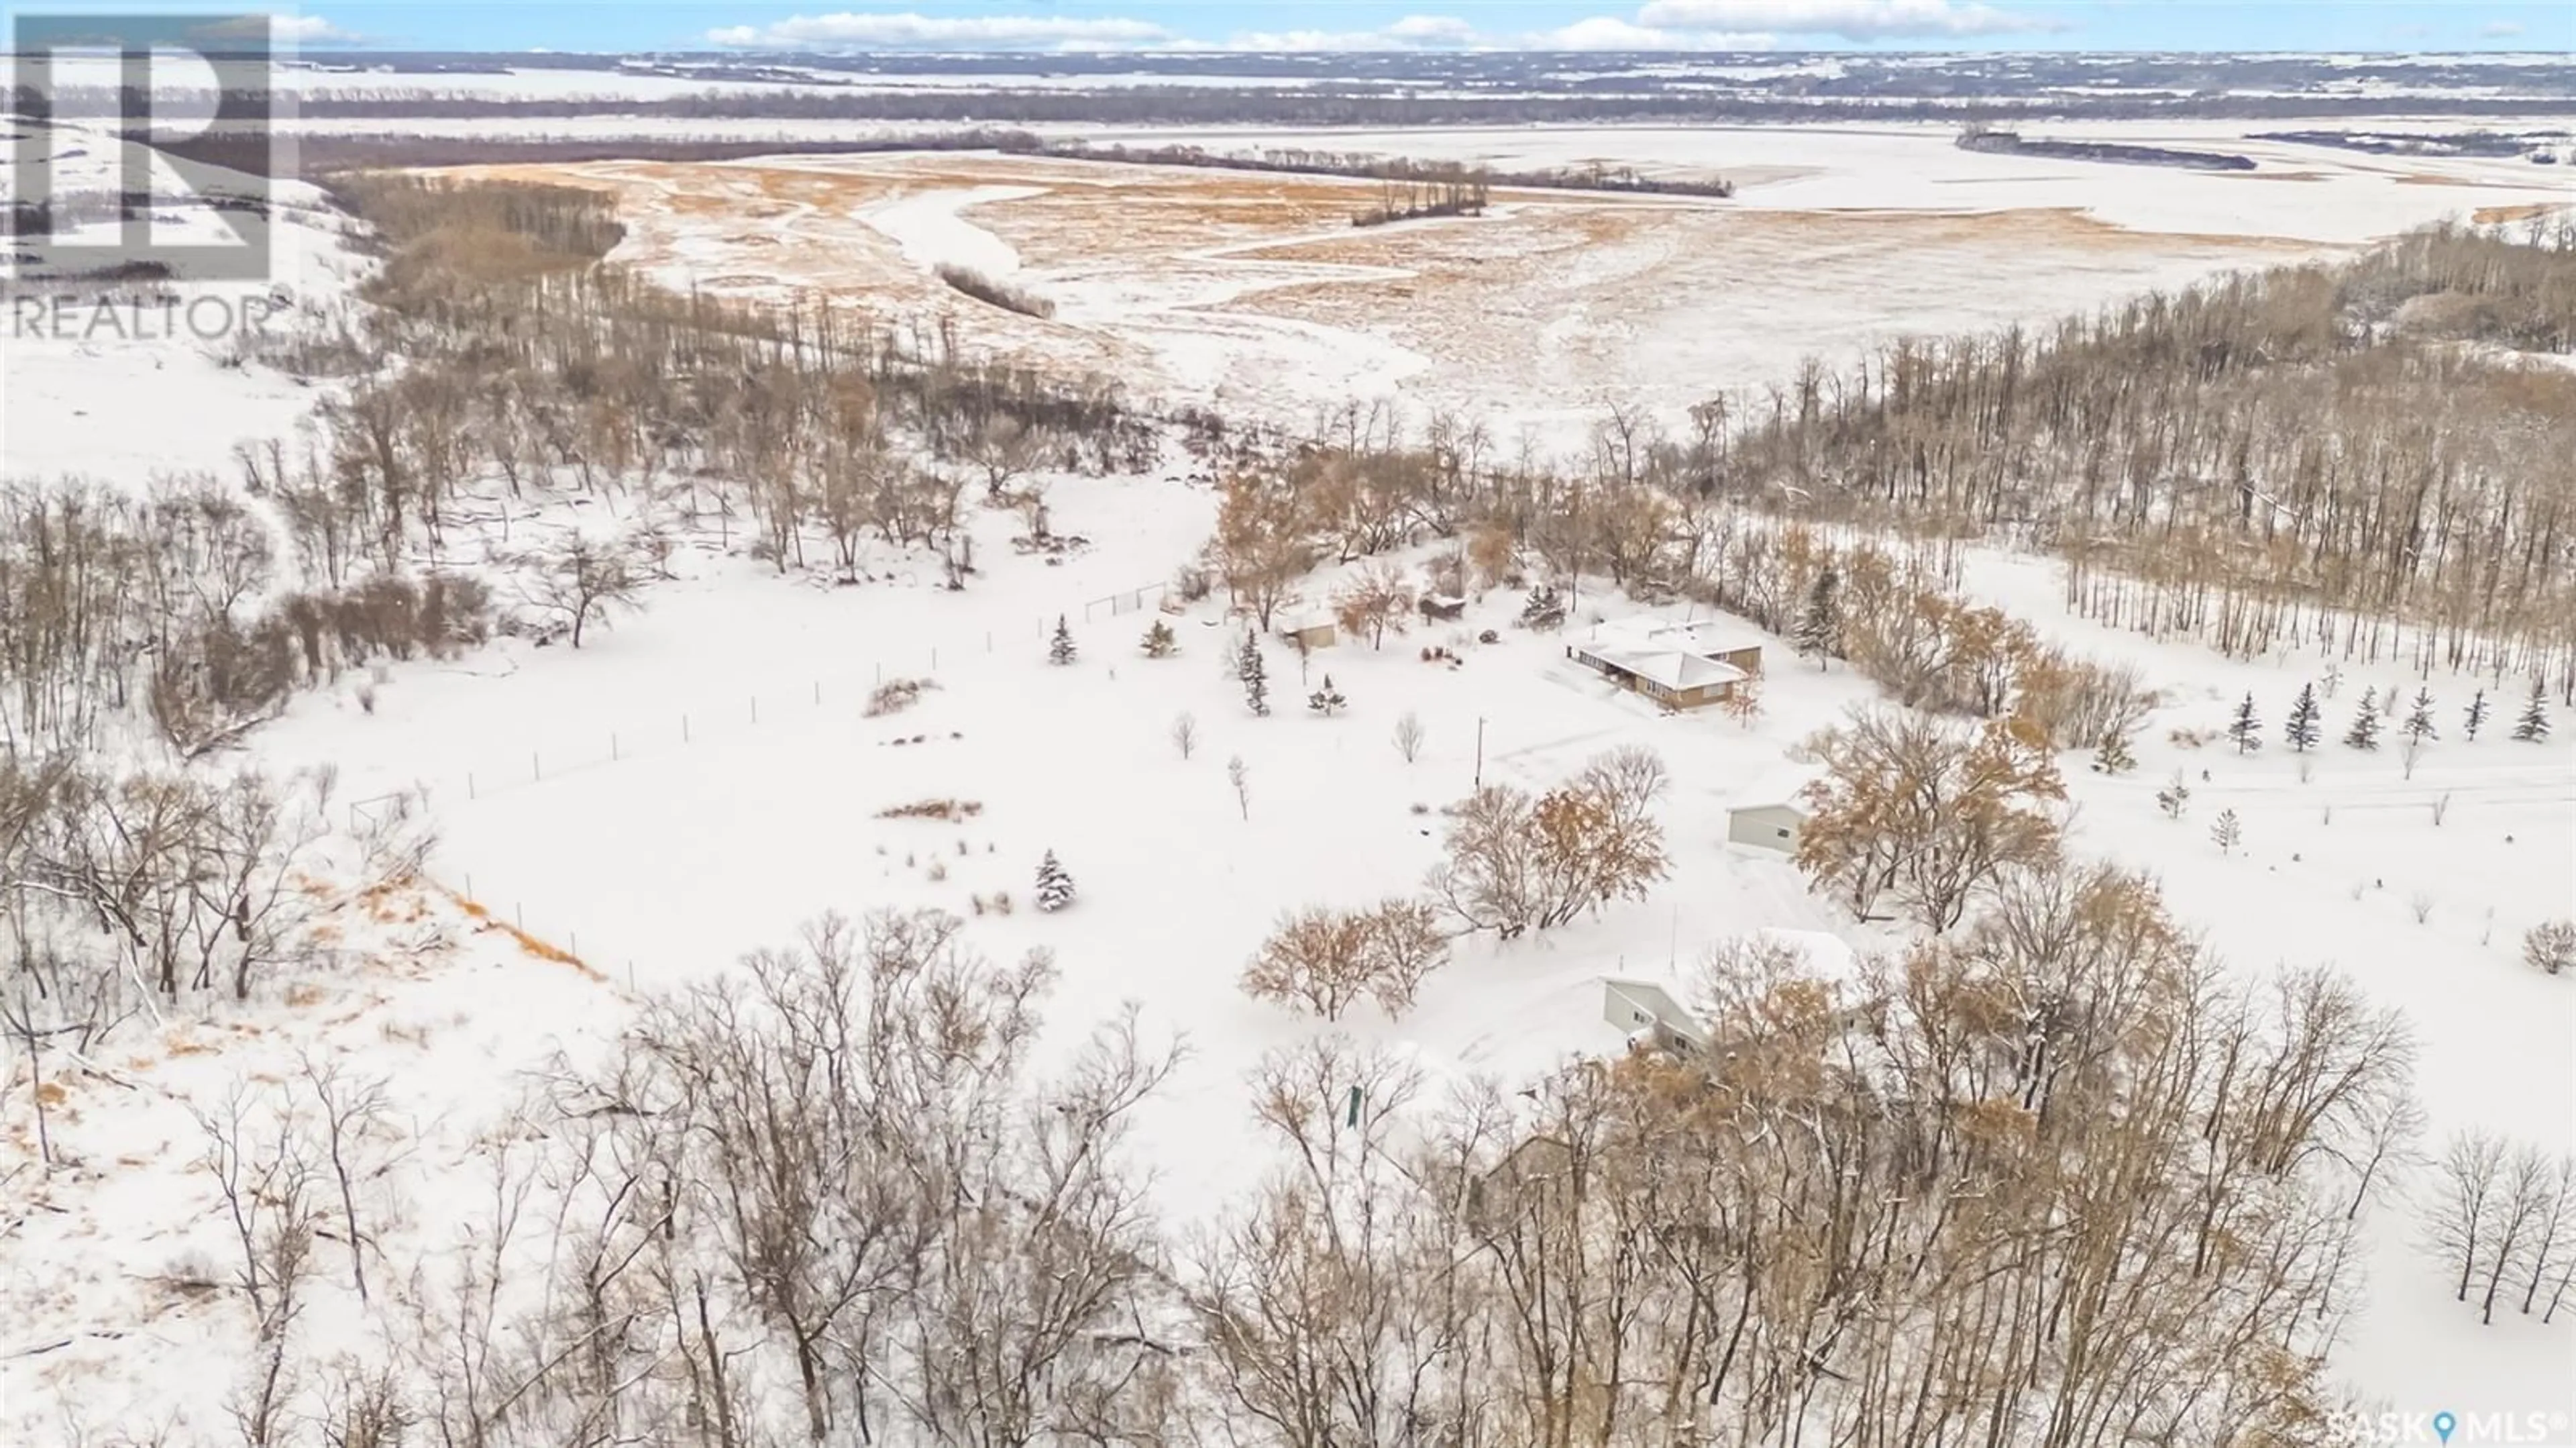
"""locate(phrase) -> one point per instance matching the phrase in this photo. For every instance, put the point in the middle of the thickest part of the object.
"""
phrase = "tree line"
(1315, 105)
(2307, 455)
(2054, 1178)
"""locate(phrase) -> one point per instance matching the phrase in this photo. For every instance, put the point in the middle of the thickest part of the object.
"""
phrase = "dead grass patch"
(2498, 215)
(896, 695)
(528, 944)
(948, 810)
(546, 950)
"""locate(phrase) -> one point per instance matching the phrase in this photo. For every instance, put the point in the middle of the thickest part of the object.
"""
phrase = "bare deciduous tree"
(1409, 736)
(581, 579)
(1928, 811)
(1517, 862)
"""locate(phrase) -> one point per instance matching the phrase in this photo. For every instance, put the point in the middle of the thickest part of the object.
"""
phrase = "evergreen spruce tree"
(1159, 643)
(2174, 796)
(1255, 676)
(1820, 624)
(2475, 717)
(2419, 719)
(1326, 700)
(2533, 726)
(1055, 887)
(2227, 831)
(1544, 609)
(2246, 730)
(2364, 733)
(2112, 756)
(1060, 650)
(2301, 731)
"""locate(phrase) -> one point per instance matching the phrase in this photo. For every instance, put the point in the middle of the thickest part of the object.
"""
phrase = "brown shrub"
(896, 695)
(949, 810)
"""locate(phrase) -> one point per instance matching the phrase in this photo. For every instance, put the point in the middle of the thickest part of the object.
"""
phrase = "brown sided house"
(1680, 665)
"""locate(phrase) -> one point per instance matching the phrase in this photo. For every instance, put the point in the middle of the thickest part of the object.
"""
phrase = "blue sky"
(1040, 25)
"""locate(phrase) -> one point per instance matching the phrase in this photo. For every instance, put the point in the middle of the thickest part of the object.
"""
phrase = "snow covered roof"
(1827, 957)
(1773, 787)
(1675, 655)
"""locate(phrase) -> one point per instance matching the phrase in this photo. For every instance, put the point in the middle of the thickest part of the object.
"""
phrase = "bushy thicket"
(175, 604)
(1002, 294)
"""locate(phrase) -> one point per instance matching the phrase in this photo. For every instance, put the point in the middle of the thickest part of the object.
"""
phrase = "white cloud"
(1848, 19)
(877, 30)
(1659, 25)
(306, 29)
(282, 29)
(1609, 32)
(1413, 32)
(1312, 40)
(2500, 29)
(1432, 30)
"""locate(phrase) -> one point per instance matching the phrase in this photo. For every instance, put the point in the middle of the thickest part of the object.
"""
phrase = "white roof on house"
(1675, 655)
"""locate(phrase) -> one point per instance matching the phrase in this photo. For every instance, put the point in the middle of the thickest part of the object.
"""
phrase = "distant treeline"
(324, 154)
(2012, 144)
(1594, 177)
(2455, 143)
(1325, 105)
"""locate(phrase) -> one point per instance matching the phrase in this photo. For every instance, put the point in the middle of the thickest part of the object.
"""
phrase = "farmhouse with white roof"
(1680, 665)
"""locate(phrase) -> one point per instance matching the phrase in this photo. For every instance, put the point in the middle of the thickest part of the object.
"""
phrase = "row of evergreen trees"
(2304, 729)
(1159, 643)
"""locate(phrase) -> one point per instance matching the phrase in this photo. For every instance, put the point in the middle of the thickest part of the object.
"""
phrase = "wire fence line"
(705, 720)
(708, 719)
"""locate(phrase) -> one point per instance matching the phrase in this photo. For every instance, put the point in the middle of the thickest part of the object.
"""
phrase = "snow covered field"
(700, 779)
(1251, 292)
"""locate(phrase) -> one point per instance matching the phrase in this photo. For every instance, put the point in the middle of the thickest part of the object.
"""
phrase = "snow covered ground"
(700, 779)
(2296, 192)
(2417, 887)
(123, 381)
(1251, 291)
(931, 230)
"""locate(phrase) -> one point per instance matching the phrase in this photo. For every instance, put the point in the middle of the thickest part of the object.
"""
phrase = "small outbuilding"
(1308, 630)
(1767, 826)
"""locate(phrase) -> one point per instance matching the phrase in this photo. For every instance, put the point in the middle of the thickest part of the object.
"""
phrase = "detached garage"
(1767, 826)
